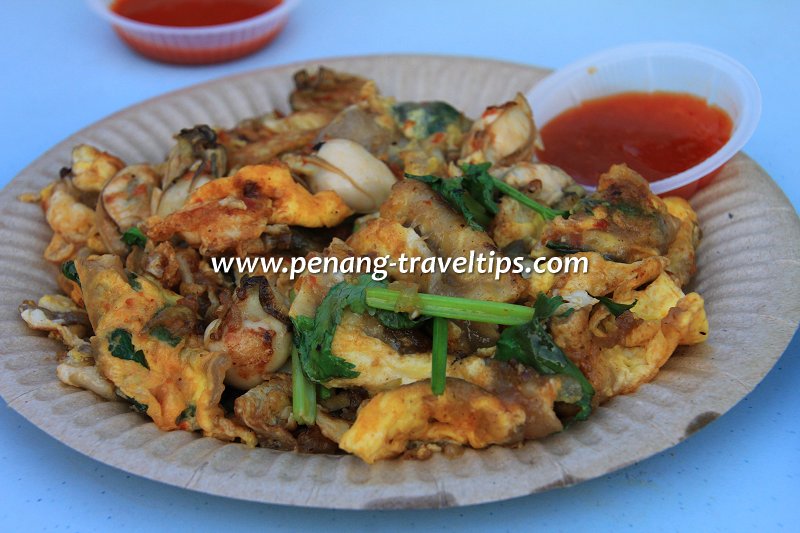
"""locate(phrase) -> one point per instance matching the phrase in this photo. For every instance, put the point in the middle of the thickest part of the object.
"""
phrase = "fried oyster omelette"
(337, 362)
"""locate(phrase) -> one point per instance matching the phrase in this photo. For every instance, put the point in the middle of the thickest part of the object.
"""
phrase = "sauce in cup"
(191, 13)
(657, 134)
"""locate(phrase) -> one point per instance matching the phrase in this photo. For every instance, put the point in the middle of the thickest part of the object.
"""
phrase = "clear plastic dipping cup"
(650, 67)
(200, 44)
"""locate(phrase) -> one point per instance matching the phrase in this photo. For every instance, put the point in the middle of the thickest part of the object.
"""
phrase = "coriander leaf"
(304, 392)
(70, 272)
(314, 346)
(588, 203)
(563, 247)
(164, 335)
(392, 320)
(544, 307)
(134, 237)
(480, 185)
(120, 344)
(532, 345)
(567, 313)
(453, 192)
(323, 392)
(615, 308)
(137, 406)
(186, 415)
(480, 173)
(472, 194)
(133, 281)
(314, 336)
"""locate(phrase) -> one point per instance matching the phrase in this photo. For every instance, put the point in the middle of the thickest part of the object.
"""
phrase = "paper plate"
(748, 274)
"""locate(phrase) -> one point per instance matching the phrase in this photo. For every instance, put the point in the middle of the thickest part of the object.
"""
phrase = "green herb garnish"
(137, 406)
(392, 320)
(427, 118)
(120, 344)
(323, 392)
(480, 174)
(134, 237)
(133, 281)
(314, 336)
(472, 194)
(70, 272)
(304, 392)
(439, 356)
(615, 307)
(452, 307)
(588, 203)
(186, 415)
(532, 345)
(454, 193)
(164, 335)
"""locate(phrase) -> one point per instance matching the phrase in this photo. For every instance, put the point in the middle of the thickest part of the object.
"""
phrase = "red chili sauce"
(657, 134)
(191, 12)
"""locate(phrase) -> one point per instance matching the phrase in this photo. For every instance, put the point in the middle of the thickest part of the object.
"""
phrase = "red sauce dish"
(674, 112)
(657, 134)
(195, 31)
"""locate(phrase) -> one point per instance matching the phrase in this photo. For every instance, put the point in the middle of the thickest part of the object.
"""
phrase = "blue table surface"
(63, 69)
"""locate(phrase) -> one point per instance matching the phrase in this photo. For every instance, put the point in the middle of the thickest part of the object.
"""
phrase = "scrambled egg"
(665, 320)
(464, 414)
(618, 354)
(145, 345)
(682, 251)
(225, 211)
(381, 367)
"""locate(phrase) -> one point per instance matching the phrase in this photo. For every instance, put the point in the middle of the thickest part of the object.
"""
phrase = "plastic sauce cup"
(200, 44)
(650, 67)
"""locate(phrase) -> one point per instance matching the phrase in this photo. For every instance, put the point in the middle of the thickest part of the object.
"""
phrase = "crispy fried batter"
(169, 375)
(228, 210)
(261, 140)
(267, 410)
(92, 168)
(325, 89)
(681, 252)
(618, 354)
(381, 237)
(622, 220)
(414, 204)
(382, 367)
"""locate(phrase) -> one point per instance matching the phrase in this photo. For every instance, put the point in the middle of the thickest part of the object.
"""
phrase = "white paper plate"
(748, 273)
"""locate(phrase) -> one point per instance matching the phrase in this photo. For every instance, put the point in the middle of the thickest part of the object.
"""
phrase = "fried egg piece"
(382, 368)
(226, 211)
(465, 414)
(172, 378)
(662, 319)
(682, 251)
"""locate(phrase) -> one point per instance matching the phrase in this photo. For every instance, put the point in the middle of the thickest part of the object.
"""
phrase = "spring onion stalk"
(453, 307)
(304, 393)
(439, 356)
(546, 212)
